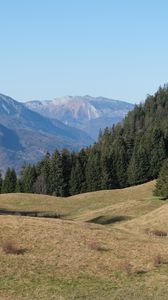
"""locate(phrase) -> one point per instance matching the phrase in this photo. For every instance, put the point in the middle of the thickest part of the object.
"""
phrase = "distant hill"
(86, 113)
(25, 135)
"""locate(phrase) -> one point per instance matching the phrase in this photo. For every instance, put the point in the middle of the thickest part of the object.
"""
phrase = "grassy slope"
(132, 202)
(80, 260)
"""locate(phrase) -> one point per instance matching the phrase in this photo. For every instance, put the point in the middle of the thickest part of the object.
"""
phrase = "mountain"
(25, 135)
(86, 113)
(129, 153)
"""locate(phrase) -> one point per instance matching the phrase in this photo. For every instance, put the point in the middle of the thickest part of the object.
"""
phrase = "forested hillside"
(129, 153)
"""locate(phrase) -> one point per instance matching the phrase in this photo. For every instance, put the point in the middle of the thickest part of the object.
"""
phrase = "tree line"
(126, 154)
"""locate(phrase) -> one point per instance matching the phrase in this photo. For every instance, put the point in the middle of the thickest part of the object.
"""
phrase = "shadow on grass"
(106, 220)
(38, 214)
(141, 272)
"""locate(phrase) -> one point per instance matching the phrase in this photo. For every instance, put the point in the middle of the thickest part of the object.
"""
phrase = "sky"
(111, 48)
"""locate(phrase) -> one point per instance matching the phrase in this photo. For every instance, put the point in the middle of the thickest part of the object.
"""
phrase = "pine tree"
(138, 169)
(40, 187)
(157, 152)
(161, 188)
(19, 186)
(109, 178)
(66, 169)
(44, 169)
(28, 178)
(1, 182)
(56, 174)
(77, 177)
(9, 182)
(93, 171)
(120, 161)
(83, 158)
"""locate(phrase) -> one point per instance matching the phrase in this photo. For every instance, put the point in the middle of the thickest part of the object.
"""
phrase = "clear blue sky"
(113, 48)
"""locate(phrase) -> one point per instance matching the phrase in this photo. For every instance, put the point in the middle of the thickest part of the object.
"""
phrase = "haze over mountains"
(86, 113)
(28, 131)
(25, 136)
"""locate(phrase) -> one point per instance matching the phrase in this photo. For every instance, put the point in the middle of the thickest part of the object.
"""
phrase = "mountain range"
(86, 113)
(29, 130)
(25, 136)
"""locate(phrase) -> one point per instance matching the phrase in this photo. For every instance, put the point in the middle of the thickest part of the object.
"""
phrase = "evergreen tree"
(19, 186)
(44, 169)
(161, 188)
(138, 170)
(66, 169)
(120, 161)
(83, 158)
(56, 174)
(77, 177)
(157, 152)
(28, 178)
(40, 186)
(9, 182)
(109, 178)
(93, 171)
(1, 182)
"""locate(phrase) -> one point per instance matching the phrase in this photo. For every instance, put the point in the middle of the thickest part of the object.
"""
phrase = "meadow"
(104, 245)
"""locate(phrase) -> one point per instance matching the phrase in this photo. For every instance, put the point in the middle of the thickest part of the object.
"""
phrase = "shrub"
(94, 245)
(9, 247)
(128, 268)
(158, 260)
(160, 233)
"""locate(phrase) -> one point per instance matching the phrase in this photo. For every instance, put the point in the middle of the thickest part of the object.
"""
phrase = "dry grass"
(59, 256)
(65, 258)
(154, 222)
(129, 202)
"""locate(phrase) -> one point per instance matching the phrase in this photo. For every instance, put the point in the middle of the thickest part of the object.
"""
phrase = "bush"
(9, 247)
(160, 233)
(128, 268)
(158, 260)
(94, 245)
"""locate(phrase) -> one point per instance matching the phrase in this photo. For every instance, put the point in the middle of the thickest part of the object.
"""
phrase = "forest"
(129, 153)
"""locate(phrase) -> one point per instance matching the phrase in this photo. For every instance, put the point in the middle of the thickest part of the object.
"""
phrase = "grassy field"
(105, 246)
(129, 202)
